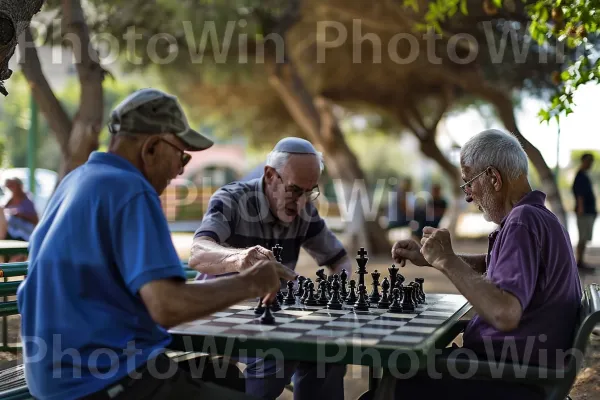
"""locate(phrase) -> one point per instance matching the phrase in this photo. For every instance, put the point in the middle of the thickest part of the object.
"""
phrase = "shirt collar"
(533, 198)
(97, 157)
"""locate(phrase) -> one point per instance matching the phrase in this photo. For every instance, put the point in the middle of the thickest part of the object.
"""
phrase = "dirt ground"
(587, 385)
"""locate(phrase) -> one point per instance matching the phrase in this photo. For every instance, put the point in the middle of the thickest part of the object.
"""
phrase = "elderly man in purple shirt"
(525, 291)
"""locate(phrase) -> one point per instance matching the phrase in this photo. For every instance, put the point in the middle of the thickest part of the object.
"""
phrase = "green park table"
(377, 338)
(13, 247)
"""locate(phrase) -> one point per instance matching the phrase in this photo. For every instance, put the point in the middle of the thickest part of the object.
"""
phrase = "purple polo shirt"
(530, 256)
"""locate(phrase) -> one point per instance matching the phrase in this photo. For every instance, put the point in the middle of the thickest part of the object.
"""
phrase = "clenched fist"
(408, 250)
(436, 246)
(252, 255)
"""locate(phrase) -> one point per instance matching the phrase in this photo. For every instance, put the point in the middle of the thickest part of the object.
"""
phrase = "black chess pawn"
(384, 302)
(393, 270)
(275, 305)
(259, 309)
(421, 282)
(310, 298)
(361, 303)
(396, 307)
(323, 298)
(300, 291)
(343, 280)
(335, 303)
(407, 299)
(290, 298)
(267, 318)
(351, 298)
(375, 296)
(280, 296)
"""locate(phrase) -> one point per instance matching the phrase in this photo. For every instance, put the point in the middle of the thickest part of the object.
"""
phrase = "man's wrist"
(447, 263)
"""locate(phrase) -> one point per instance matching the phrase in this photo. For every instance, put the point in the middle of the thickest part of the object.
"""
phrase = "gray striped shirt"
(239, 216)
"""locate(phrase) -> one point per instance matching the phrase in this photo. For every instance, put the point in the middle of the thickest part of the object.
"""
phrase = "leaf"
(498, 3)
(463, 7)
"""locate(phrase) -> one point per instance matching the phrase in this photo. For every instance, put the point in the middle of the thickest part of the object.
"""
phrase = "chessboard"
(395, 315)
(302, 323)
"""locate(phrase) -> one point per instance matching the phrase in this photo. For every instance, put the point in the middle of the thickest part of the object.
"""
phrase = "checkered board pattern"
(298, 322)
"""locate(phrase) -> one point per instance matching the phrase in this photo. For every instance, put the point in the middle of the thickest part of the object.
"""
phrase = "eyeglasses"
(298, 192)
(470, 182)
(184, 158)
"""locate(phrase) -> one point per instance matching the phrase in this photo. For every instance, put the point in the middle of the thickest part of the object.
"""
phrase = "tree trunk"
(87, 123)
(316, 119)
(79, 137)
(15, 17)
(430, 149)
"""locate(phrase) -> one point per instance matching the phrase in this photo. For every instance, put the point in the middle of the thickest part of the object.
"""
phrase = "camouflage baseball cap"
(151, 111)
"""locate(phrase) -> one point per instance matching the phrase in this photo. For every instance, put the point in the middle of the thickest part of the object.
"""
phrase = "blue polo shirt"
(102, 237)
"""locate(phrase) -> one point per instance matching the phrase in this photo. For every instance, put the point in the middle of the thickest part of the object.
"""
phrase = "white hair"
(498, 149)
(278, 160)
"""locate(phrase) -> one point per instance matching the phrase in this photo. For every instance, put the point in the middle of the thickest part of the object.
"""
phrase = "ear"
(496, 179)
(149, 149)
(269, 173)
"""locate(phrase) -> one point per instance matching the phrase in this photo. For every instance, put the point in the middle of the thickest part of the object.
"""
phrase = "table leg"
(375, 374)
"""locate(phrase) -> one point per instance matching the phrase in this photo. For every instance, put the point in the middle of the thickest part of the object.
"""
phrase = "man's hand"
(263, 278)
(408, 250)
(252, 255)
(437, 247)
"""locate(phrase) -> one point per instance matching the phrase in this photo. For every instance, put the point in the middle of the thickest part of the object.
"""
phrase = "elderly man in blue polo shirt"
(104, 280)
(518, 289)
(245, 220)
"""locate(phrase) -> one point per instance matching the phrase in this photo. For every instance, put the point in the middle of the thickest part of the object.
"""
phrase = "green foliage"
(567, 24)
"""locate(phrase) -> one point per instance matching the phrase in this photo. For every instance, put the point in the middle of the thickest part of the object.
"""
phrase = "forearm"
(211, 258)
(181, 302)
(475, 261)
(490, 302)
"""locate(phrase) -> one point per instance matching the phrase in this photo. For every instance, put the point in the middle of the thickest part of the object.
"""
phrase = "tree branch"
(57, 117)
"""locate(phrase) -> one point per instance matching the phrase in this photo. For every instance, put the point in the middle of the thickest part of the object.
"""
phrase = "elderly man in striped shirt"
(244, 221)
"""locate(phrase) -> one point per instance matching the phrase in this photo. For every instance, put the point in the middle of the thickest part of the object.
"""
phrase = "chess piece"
(361, 303)
(321, 275)
(362, 261)
(407, 299)
(384, 302)
(396, 307)
(310, 298)
(375, 296)
(277, 252)
(306, 282)
(416, 293)
(329, 282)
(400, 281)
(393, 270)
(275, 306)
(335, 303)
(280, 296)
(323, 299)
(267, 318)
(421, 281)
(259, 309)
(300, 291)
(290, 298)
(351, 298)
(343, 289)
